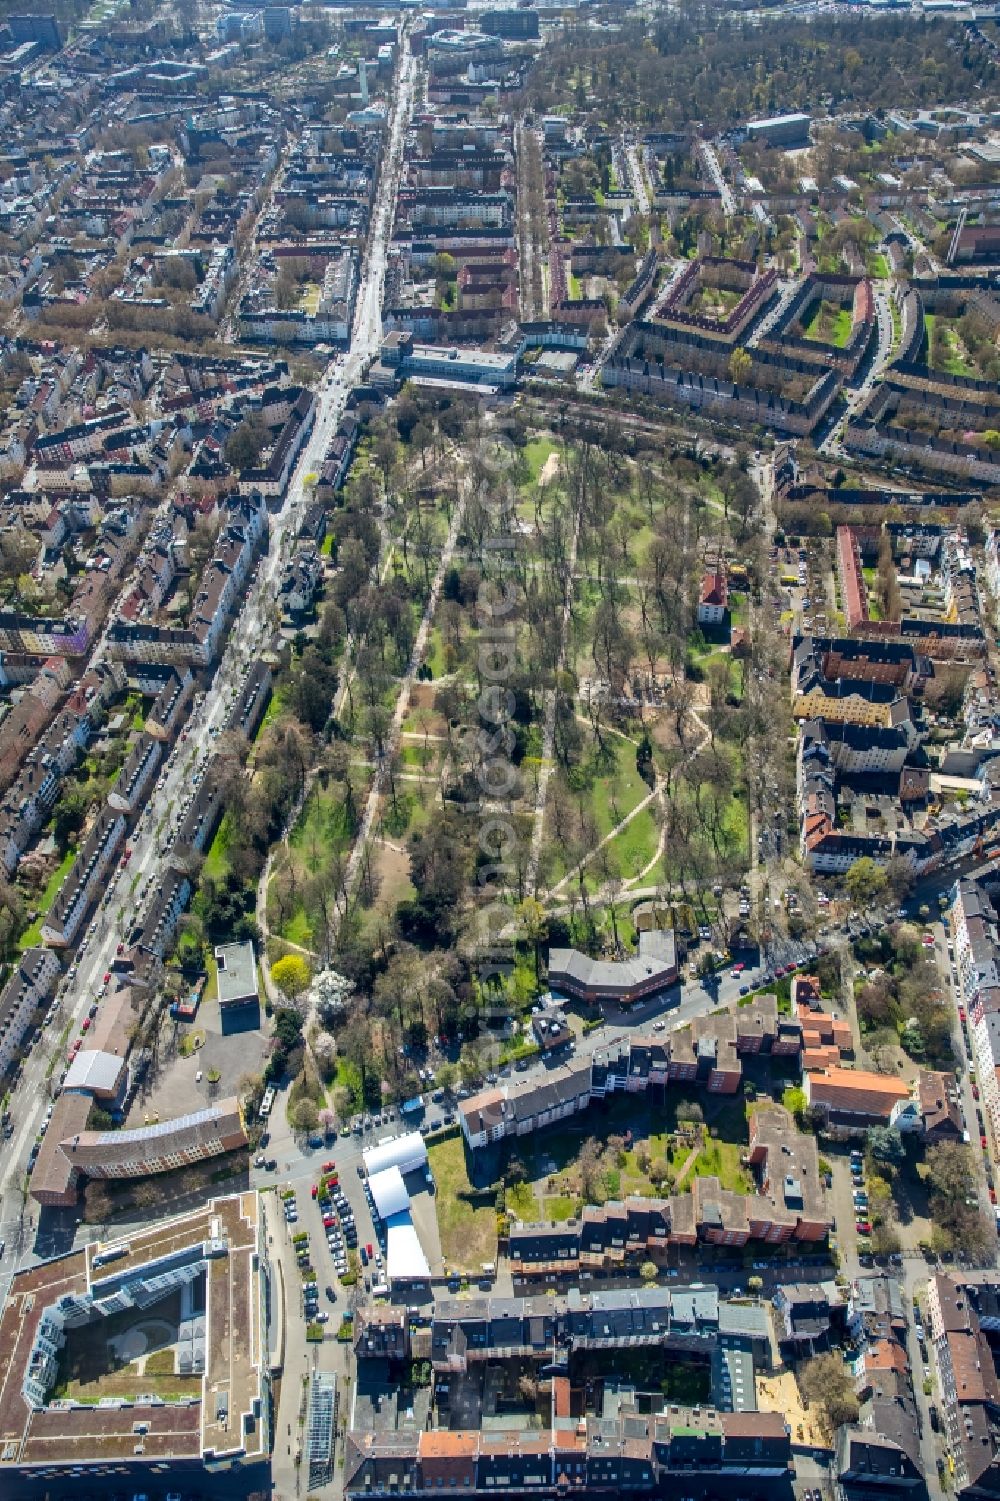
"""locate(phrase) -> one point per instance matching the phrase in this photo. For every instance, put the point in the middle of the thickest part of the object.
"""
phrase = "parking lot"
(181, 1084)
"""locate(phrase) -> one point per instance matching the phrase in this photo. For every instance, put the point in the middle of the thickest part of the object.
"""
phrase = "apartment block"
(706, 1053)
(87, 876)
(31, 986)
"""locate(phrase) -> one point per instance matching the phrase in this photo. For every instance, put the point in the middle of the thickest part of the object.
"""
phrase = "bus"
(267, 1102)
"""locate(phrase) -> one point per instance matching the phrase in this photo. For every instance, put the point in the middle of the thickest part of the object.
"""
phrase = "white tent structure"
(389, 1193)
(405, 1260)
(407, 1153)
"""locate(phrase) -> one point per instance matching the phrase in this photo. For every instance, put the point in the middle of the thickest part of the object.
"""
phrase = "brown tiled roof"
(856, 1090)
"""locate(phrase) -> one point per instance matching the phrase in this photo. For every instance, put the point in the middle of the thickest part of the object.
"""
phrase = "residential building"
(87, 876)
(854, 1099)
(713, 599)
(632, 1454)
(706, 1053)
(940, 1108)
(212, 1264)
(30, 987)
(963, 1318)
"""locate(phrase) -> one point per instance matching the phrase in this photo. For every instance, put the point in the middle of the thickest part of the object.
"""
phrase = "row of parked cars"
(861, 1207)
(338, 1219)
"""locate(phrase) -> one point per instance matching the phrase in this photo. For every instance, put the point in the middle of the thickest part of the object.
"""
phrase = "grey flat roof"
(237, 973)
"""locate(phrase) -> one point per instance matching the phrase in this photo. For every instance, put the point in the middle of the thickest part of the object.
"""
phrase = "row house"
(137, 773)
(631, 1453)
(87, 876)
(42, 636)
(28, 802)
(788, 1203)
(222, 584)
(31, 986)
(964, 1319)
(272, 478)
(196, 829)
(71, 444)
(683, 1319)
(170, 703)
(706, 1053)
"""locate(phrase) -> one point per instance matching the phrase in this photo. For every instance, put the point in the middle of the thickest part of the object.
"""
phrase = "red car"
(961, 1013)
(993, 1195)
(368, 1248)
(975, 1091)
(328, 1222)
(86, 1028)
(120, 949)
(982, 1142)
(107, 977)
(328, 1167)
(315, 1190)
(863, 1227)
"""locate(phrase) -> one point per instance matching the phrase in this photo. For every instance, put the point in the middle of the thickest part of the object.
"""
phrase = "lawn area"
(466, 1215)
(536, 452)
(953, 363)
(610, 787)
(216, 861)
(434, 655)
(322, 829)
(828, 323)
(32, 934)
(522, 1201)
(877, 265)
(274, 708)
(632, 849)
(721, 1159)
(211, 991)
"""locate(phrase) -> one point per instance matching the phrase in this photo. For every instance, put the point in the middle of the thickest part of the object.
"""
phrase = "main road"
(130, 890)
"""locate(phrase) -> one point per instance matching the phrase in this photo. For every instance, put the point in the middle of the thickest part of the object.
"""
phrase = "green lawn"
(631, 850)
(274, 708)
(521, 1201)
(536, 452)
(466, 1216)
(322, 828)
(217, 861)
(721, 1159)
(828, 323)
(610, 787)
(33, 934)
(953, 364)
(877, 265)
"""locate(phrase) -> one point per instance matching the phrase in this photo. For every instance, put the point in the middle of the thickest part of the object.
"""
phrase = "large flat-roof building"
(780, 130)
(71, 1152)
(204, 1272)
(237, 975)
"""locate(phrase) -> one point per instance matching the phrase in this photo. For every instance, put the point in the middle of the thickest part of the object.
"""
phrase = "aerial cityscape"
(499, 749)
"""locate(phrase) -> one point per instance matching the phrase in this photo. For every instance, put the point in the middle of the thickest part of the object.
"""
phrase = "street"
(123, 902)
